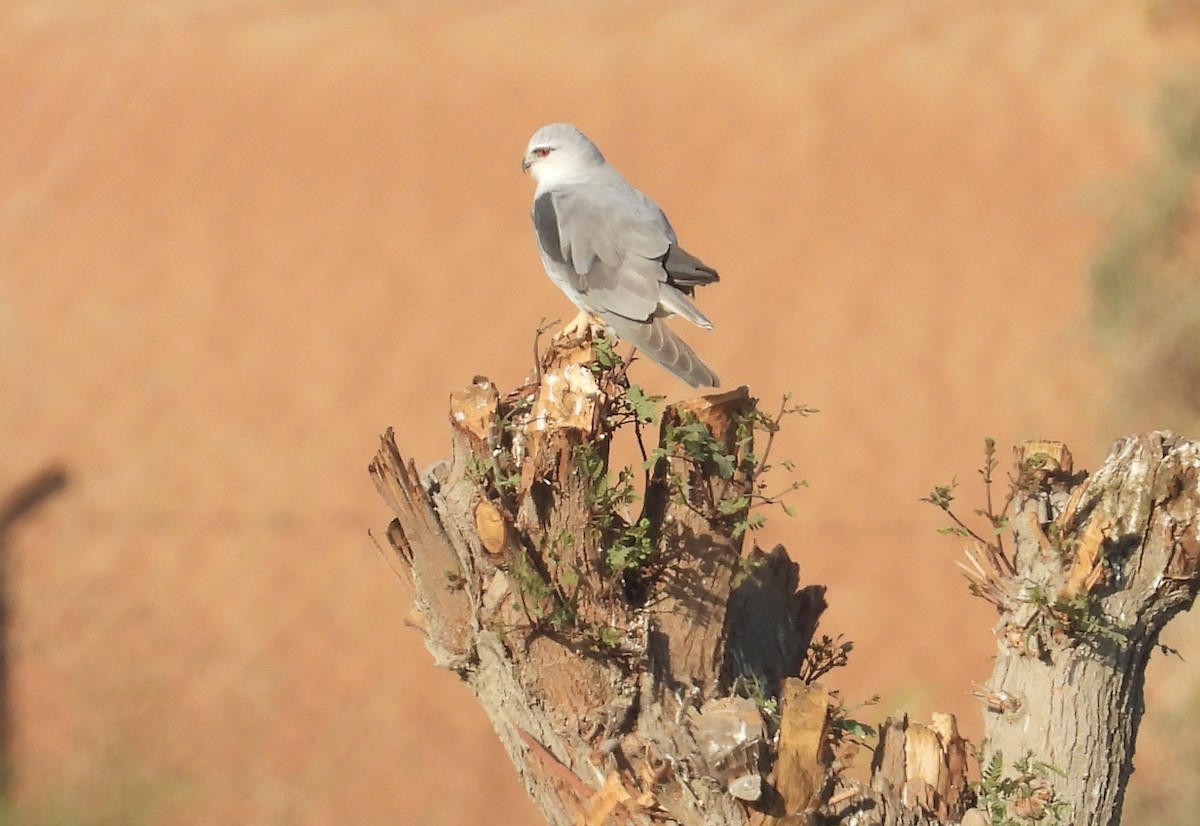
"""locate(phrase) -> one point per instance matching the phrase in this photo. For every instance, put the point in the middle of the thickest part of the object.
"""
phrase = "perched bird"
(613, 252)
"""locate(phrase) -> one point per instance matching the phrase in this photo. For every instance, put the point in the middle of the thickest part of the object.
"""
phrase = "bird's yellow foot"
(582, 324)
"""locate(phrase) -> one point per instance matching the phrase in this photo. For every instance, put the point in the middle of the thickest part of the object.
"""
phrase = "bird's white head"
(558, 151)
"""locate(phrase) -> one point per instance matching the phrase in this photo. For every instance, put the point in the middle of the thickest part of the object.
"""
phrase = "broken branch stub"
(699, 552)
(427, 554)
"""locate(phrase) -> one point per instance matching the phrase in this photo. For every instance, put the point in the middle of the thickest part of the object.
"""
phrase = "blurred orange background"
(240, 239)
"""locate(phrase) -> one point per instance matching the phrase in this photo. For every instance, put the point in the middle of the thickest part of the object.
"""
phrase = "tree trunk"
(647, 669)
(1098, 569)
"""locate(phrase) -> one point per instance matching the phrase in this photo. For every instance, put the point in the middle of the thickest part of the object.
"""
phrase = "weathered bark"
(613, 688)
(1098, 569)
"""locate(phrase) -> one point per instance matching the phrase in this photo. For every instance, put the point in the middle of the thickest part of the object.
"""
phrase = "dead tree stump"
(613, 652)
(1098, 567)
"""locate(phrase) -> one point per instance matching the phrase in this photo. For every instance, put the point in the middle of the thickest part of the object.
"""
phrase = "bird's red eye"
(541, 151)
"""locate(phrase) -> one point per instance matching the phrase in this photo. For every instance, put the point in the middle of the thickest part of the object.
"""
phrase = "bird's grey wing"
(615, 223)
(556, 256)
(661, 345)
(610, 220)
(608, 243)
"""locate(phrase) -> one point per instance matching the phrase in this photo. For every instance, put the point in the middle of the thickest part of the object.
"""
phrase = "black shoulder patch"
(545, 224)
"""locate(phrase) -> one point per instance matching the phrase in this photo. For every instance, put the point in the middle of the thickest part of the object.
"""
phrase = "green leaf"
(724, 465)
(854, 728)
(644, 408)
(942, 495)
(606, 357)
(733, 505)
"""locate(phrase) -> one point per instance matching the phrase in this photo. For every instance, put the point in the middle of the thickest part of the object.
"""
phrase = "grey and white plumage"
(612, 250)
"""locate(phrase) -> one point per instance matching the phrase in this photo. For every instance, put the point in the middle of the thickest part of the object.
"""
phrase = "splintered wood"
(922, 767)
(426, 551)
(1088, 567)
(803, 759)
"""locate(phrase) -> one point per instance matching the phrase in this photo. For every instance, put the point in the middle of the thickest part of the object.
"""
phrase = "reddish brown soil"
(238, 240)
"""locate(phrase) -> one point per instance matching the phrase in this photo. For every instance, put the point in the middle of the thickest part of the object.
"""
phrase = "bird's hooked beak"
(526, 163)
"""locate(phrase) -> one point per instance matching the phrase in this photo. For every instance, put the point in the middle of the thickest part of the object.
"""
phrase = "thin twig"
(542, 327)
(762, 462)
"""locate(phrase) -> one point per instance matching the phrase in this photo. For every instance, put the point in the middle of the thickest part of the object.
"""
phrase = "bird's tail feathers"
(677, 303)
(662, 346)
